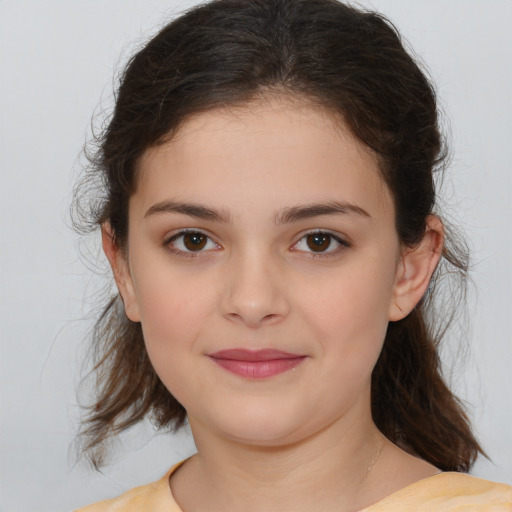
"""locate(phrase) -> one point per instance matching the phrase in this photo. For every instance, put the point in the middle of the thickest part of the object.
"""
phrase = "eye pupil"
(318, 242)
(194, 241)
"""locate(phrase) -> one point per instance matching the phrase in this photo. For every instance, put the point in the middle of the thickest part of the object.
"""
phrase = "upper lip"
(242, 354)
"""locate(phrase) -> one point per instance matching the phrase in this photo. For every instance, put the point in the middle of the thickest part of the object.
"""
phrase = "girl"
(268, 217)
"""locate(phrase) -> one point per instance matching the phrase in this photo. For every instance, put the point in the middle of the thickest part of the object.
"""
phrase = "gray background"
(57, 62)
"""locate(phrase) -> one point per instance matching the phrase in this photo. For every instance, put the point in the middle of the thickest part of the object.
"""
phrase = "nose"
(254, 294)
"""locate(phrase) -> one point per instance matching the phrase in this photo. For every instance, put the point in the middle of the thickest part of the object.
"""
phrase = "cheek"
(356, 299)
(349, 315)
(171, 300)
(174, 311)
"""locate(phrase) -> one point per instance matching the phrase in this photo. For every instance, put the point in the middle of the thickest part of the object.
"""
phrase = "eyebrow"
(285, 216)
(296, 213)
(191, 209)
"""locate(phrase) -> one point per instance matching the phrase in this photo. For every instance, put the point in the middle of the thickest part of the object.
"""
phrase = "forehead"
(277, 151)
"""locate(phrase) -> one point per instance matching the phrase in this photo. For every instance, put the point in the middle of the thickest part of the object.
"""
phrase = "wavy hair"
(348, 61)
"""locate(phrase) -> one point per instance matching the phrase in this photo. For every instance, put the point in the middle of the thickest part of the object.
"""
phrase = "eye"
(190, 242)
(320, 242)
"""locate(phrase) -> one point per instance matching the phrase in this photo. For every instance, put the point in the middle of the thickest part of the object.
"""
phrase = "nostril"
(253, 320)
(234, 316)
(253, 298)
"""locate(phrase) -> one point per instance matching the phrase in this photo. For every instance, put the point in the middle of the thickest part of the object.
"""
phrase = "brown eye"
(194, 241)
(319, 242)
(191, 243)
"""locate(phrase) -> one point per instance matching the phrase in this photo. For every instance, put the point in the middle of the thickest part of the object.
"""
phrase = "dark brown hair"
(350, 62)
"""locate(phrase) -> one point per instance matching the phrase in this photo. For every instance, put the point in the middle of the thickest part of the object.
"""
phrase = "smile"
(256, 364)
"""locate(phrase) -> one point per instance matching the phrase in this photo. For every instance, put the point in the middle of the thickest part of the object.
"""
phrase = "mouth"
(256, 364)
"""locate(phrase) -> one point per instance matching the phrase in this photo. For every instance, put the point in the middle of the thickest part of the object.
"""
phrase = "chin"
(261, 425)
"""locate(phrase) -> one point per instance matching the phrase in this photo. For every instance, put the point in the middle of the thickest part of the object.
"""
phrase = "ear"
(415, 269)
(121, 270)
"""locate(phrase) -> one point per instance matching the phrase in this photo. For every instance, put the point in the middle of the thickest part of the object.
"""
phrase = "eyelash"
(187, 254)
(343, 244)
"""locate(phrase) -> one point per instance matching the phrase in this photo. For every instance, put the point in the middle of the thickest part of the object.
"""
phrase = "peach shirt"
(444, 492)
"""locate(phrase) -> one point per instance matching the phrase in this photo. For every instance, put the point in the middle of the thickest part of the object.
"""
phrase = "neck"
(338, 460)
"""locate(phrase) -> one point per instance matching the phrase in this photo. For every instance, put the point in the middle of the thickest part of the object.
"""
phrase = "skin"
(304, 438)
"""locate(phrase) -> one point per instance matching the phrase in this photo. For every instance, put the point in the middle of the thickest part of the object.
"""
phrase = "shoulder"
(135, 499)
(153, 497)
(449, 492)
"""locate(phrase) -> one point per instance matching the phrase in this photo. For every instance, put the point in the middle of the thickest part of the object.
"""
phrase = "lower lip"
(259, 369)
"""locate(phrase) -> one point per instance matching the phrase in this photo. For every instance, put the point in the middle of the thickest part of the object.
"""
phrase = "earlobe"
(120, 269)
(415, 269)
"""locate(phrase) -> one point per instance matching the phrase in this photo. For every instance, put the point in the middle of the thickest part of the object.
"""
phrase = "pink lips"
(256, 364)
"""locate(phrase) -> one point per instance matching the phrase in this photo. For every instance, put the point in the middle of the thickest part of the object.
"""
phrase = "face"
(263, 263)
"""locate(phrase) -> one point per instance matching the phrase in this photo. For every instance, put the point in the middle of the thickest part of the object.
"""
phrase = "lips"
(256, 364)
